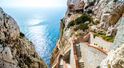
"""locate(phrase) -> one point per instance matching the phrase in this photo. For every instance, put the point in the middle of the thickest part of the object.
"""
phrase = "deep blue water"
(41, 26)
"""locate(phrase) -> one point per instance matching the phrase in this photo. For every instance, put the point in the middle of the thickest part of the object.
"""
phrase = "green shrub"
(83, 19)
(80, 20)
(101, 33)
(22, 35)
(71, 24)
(62, 20)
(115, 0)
(89, 11)
(82, 27)
(107, 38)
(98, 67)
(96, 22)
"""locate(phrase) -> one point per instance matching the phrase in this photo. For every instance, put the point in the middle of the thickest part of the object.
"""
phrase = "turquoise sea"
(41, 26)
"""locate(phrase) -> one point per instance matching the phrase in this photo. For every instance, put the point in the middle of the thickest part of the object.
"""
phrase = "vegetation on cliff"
(91, 26)
(107, 38)
(81, 20)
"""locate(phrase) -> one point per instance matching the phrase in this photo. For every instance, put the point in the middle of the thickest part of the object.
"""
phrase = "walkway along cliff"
(15, 49)
(91, 35)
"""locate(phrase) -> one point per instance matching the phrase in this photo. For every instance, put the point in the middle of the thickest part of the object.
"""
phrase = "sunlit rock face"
(8, 27)
(84, 22)
(119, 40)
(15, 49)
(109, 12)
(115, 58)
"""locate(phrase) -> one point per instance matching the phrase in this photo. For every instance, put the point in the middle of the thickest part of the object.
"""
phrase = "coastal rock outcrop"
(16, 51)
(115, 58)
(89, 33)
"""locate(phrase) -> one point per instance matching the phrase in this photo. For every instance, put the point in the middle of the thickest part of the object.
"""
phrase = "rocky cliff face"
(15, 49)
(115, 58)
(104, 20)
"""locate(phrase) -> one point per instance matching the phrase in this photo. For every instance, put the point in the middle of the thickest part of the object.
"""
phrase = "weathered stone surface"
(109, 12)
(106, 20)
(115, 59)
(15, 50)
(90, 56)
(119, 40)
(8, 27)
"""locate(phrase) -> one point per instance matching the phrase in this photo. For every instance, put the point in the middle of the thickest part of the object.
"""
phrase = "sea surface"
(41, 26)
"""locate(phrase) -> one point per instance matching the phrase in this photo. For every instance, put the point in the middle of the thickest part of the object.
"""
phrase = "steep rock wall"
(103, 18)
(15, 49)
(115, 58)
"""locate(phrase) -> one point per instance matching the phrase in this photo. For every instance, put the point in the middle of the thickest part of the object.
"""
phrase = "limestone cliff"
(15, 49)
(90, 30)
(115, 58)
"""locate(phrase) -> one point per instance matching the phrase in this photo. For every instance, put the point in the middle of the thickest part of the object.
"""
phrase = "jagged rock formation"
(15, 49)
(89, 31)
(115, 58)
(119, 40)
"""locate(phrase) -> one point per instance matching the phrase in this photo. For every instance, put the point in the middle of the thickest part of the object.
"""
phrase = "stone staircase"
(80, 61)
